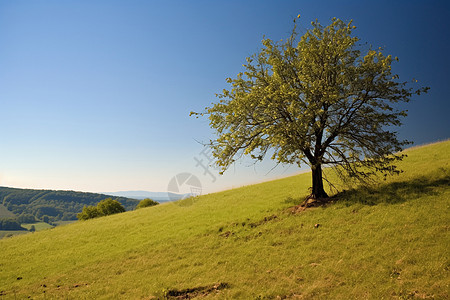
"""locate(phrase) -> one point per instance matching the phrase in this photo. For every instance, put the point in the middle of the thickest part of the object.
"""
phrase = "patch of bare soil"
(263, 221)
(190, 293)
(308, 203)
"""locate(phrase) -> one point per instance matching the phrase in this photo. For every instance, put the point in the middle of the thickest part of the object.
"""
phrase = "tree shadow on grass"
(395, 192)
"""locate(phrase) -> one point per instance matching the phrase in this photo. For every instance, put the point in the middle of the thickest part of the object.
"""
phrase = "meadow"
(38, 226)
(5, 213)
(389, 241)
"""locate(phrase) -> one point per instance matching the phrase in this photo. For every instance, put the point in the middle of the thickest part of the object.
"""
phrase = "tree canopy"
(320, 100)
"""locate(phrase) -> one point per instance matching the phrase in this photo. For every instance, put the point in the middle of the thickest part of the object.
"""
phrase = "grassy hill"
(389, 242)
(5, 213)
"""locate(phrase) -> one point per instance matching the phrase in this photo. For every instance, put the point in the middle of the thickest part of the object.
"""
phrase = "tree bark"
(317, 183)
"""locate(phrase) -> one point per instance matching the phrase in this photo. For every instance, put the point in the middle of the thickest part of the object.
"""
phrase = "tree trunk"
(317, 184)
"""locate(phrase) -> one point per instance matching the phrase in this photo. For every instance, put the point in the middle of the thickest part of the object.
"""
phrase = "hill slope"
(389, 242)
(5, 213)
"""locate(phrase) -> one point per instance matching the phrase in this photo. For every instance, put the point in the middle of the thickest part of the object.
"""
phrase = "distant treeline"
(31, 205)
(10, 225)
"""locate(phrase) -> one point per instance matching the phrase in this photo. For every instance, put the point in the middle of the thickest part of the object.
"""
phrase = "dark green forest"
(10, 225)
(50, 206)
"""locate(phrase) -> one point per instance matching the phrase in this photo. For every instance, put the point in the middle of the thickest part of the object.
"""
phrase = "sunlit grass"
(390, 241)
(38, 226)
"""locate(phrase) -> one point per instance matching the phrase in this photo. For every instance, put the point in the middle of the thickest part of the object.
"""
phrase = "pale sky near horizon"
(95, 95)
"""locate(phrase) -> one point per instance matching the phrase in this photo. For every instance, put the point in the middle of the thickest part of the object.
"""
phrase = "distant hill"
(157, 196)
(57, 205)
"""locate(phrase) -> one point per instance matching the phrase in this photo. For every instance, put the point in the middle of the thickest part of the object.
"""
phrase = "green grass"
(10, 233)
(388, 242)
(62, 223)
(38, 226)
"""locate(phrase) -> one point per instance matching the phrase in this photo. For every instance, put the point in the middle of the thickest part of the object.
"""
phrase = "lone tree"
(318, 100)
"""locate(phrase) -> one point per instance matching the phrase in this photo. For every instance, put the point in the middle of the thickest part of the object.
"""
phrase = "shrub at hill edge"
(146, 203)
(104, 208)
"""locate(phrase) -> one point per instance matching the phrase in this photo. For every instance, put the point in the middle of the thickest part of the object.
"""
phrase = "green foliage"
(320, 100)
(146, 203)
(10, 224)
(32, 228)
(26, 218)
(88, 212)
(57, 205)
(109, 207)
(104, 208)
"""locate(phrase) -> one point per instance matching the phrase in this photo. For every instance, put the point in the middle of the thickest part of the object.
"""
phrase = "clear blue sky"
(96, 95)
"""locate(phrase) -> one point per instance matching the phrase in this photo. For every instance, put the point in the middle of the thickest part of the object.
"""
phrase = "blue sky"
(96, 95)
